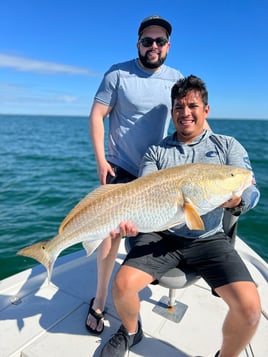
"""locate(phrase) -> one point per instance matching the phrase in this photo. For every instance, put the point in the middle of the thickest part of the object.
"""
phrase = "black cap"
(155, 20)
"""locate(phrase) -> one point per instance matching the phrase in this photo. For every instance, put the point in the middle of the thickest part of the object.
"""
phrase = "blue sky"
(53, 53)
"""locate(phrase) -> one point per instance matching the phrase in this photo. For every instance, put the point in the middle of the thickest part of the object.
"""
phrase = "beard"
(152, 65)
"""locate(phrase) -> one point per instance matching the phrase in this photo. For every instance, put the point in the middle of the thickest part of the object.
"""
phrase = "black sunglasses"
(148, 41)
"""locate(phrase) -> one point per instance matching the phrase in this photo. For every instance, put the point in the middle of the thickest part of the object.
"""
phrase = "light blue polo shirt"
(140, 117)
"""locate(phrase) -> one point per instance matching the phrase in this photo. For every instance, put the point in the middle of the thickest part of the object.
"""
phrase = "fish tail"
(39, 252)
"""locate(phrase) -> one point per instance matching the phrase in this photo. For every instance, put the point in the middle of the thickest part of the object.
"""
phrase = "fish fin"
(90, 245)
(86, 201)
(192, 217)
(39, 252)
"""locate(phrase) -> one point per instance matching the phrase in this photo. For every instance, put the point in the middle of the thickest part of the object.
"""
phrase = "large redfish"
(154, 202)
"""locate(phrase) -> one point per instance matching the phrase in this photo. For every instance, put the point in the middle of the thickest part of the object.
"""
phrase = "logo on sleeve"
(211, 154)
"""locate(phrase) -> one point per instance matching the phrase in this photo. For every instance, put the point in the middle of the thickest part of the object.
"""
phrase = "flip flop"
(97, 316)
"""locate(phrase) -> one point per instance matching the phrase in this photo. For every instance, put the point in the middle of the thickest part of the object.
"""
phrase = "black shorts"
(213, 258)
(121, 175)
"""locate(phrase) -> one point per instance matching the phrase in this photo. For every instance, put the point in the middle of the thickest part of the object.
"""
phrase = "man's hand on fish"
(127, 229)
(233, 202)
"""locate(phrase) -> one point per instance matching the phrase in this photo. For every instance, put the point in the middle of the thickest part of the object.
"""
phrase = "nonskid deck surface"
(40, 320)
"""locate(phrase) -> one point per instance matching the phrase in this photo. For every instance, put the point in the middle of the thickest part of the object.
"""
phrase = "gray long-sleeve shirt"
(208, 148)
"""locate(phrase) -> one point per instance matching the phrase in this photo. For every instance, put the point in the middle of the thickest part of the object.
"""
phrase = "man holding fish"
(208, 251)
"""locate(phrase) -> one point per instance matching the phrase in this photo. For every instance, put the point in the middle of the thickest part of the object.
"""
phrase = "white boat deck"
(40, 320)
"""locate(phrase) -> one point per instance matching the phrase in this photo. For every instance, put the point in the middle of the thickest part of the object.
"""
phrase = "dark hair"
(187, 84)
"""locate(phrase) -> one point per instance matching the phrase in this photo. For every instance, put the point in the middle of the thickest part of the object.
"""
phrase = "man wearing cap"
(136, 97)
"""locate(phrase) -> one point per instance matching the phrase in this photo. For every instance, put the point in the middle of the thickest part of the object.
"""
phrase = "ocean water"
(47, 165)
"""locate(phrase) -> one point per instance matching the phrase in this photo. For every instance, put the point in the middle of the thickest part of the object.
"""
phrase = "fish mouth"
(238, 192)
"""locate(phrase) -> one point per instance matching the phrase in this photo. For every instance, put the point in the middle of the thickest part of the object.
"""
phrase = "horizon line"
(86, 116)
